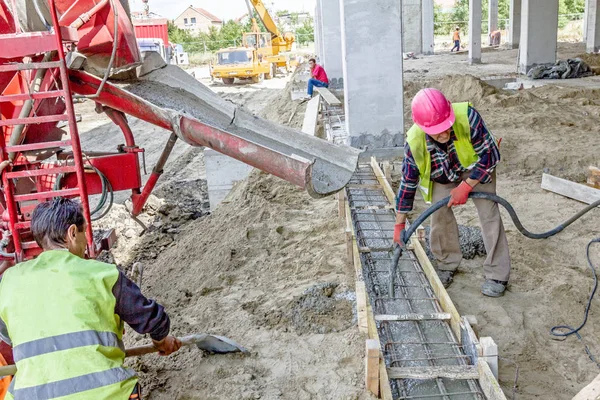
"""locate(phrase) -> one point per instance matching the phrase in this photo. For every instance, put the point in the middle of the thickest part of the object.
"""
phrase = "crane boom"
(266, 19)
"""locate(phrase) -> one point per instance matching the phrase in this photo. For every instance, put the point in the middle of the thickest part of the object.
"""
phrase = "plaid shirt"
(445, 166)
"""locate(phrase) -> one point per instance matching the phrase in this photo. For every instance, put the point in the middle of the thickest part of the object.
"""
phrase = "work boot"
(493, 288)
(447, 277)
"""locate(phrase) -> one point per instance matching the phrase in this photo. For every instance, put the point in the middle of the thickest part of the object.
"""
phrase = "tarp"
(571, 68)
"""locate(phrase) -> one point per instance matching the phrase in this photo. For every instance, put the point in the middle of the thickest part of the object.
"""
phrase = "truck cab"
(240, 63)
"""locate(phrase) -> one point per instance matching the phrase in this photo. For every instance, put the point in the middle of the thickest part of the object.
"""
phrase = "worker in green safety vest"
(64, 316)
(450, 152)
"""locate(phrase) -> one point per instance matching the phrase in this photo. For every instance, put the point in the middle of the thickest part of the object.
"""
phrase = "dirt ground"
(549, 129)
(268, 269)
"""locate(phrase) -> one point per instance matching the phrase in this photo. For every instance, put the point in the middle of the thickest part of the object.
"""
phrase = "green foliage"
(306, 33)
(445, 22)
(231, 34)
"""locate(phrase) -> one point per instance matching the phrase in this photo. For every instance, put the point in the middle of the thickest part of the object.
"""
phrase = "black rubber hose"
(575, 331)
(511, 211)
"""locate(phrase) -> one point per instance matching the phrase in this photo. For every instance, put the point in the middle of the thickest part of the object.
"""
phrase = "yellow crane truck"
(240, 63)
(262, 52)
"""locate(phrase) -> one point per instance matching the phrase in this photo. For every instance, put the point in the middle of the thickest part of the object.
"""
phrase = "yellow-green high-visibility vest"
(60, 313)
(464, 148)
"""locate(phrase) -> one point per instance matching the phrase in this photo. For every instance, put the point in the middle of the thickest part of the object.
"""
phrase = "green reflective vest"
(464, 148)
(66, 337)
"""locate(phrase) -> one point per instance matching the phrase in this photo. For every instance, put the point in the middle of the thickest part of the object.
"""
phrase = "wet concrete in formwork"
(403, 343)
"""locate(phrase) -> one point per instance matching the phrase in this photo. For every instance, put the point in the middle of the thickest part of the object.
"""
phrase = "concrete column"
(593, 26)
(332, 42)
(585, 20)
(514, 24)
(373, 90)
(539, 32)
(428, 27)
(221, 173)
(412, 26)
(492, 16)
(475, 11)
(318, 31)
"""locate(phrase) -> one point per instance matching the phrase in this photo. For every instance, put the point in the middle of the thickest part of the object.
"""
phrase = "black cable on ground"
(511, 211)
(575, 331)
(515, 218)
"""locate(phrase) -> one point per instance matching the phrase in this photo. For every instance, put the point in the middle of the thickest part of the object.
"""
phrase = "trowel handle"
(132, 352)
(8, 370)
(149, 348)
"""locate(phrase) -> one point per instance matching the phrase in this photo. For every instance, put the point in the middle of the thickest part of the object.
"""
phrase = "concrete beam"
(593, 26)
(373, 89)
(332, 42)
(539, 31)
(428, 27)
(475, 10)
(514, 24)
(412, 26)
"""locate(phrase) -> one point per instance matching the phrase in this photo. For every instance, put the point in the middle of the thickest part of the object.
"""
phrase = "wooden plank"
(311, 116)
(341, 198)
(570, 189)
(372, 366)
(593, 177)
(414, 317)
(489, 385)
(387, 188)
(361, 307)
(590, 392)
(446, 371)
(329, 97)
(439, 290)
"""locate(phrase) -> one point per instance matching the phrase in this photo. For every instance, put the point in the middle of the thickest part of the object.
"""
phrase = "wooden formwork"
(376, 374)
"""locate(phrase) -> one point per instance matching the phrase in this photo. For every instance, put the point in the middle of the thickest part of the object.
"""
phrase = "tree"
(306, 33)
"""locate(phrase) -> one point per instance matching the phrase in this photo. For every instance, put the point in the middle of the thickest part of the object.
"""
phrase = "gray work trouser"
(444, 232)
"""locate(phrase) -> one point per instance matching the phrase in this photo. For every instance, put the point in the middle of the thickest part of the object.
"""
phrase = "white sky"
(224, 9)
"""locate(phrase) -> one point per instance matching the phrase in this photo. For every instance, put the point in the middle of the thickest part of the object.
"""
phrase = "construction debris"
(565, 69)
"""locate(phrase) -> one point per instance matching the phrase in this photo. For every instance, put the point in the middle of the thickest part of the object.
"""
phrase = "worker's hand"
(460, 194)
(398, 228)
(168, 345)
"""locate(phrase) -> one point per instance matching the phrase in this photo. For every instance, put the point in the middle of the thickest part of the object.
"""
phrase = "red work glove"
(460, 194)
(168, 345)
(398, 228)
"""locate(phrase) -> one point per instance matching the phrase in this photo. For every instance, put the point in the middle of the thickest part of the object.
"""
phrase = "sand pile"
(268, 269)
(248, 271)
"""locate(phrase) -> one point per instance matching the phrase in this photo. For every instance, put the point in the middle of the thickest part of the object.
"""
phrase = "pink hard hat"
(432, 111)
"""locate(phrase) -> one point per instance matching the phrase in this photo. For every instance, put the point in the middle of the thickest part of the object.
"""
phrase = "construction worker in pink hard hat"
(450, 152)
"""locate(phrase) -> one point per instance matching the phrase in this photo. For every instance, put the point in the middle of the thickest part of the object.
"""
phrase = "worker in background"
(456, 38)
(318, 77)
(64, 315)
(495, 38)
(450, 152)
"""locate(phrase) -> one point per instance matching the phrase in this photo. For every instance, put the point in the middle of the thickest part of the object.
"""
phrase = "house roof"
(208, 15)
(202, 11)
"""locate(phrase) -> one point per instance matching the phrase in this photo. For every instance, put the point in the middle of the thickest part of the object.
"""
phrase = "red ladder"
(18, 223)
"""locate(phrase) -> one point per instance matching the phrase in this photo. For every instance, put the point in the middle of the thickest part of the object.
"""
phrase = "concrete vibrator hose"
(567, 330)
